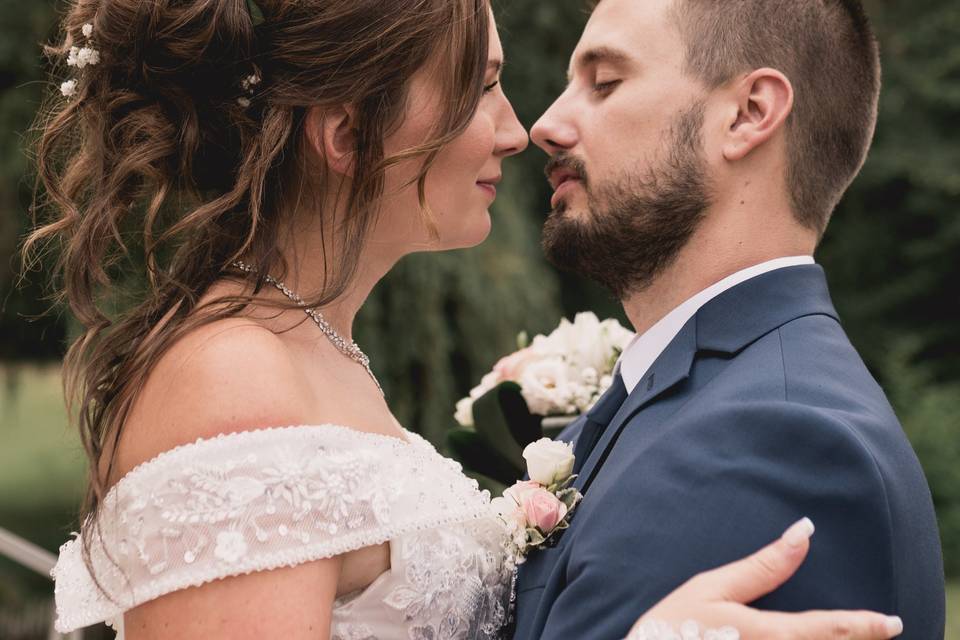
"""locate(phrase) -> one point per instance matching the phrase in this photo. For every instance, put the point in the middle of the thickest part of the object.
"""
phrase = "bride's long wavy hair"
(154, 177)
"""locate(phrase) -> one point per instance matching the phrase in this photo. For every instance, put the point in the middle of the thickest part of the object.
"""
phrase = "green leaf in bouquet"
(502, 416)
(523, 340)
(569, 498)
(534, 536)
(474, 453)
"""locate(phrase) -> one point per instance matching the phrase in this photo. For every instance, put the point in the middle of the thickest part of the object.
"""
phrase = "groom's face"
(625, 139)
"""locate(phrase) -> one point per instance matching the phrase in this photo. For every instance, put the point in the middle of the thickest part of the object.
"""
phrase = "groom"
(696, 155)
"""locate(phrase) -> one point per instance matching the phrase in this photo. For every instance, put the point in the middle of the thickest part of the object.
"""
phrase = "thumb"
(758, 574)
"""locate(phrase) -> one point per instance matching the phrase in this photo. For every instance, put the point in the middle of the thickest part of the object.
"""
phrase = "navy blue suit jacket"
(758, 413)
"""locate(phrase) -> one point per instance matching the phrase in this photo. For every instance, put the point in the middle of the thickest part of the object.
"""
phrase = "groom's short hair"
(828, 51)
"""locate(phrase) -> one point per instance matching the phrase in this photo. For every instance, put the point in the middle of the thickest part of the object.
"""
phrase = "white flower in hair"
(248, 83)
(87, 56)
(80, 57)
(68, 88)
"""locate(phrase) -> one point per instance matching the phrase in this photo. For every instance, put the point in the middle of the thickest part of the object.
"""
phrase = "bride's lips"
(489, 185)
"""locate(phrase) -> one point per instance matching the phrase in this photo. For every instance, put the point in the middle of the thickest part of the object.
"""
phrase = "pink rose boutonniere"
(535, 510)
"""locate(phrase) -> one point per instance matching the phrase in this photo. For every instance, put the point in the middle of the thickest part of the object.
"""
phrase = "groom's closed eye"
(597, 57)
(606, 87)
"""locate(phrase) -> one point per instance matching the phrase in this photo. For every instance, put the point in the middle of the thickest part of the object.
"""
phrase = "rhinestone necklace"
(348, 348)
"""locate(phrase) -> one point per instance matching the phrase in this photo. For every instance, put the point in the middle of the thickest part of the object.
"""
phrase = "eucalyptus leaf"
(256, 14)
(535, 537)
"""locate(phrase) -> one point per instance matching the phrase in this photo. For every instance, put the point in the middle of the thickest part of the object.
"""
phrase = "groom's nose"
(554, 131)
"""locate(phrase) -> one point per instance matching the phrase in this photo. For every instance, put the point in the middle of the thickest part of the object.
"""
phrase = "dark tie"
(597, 420)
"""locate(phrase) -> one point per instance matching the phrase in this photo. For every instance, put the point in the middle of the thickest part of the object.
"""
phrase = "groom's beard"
(635, 226)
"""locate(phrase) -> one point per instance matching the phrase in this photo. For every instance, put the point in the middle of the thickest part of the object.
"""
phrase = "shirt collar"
(645, 348)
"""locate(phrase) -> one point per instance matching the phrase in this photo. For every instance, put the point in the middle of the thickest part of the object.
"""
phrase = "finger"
(760, 573)
(823, 625)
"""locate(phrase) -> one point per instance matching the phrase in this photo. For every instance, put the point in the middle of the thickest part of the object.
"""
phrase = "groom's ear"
(764, 99)
(332, 133)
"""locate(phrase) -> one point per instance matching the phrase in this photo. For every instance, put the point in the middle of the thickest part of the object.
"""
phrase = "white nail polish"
(894, 625)
(798, 532)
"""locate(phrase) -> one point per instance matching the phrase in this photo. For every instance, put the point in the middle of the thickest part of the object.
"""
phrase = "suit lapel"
(724, 326)
(670, 369)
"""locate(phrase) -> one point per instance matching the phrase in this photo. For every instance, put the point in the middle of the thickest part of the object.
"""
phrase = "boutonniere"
(536, 510)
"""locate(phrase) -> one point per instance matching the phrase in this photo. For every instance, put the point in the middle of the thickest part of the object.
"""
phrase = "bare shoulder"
(232, 374)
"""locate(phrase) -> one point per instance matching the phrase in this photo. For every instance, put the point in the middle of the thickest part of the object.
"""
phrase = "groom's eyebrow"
(597, 55)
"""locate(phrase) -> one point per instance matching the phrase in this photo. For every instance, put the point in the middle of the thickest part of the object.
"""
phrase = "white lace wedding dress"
(275, 497)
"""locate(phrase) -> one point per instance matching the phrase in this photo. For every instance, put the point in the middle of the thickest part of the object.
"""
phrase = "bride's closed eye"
(490, 87)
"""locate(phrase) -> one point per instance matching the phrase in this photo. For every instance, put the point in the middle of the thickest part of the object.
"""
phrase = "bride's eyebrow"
(495, 65)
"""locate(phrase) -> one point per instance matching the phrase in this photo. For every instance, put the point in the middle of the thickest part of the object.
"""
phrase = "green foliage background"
(438, 322)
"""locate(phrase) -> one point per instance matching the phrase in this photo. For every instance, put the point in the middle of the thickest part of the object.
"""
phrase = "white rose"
(545, 386)
(549, 461)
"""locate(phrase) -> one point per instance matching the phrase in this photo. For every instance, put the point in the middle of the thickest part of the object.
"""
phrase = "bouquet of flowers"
(535, 391)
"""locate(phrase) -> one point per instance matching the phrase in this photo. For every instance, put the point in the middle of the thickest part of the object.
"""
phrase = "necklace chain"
(348, 348)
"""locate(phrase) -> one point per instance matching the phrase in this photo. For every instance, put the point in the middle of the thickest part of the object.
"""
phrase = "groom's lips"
(562, 180)
(560, 175)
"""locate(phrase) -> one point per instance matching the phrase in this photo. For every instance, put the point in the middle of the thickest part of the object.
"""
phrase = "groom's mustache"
(564, 166)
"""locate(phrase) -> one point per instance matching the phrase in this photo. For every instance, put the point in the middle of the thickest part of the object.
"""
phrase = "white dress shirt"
(645, 348)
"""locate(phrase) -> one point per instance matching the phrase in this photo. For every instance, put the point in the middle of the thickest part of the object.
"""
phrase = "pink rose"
(543, 510)
(511, 367)
(520, 490)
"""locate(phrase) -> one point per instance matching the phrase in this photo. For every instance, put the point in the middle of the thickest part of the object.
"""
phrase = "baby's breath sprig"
(80, 57)
(247, 84)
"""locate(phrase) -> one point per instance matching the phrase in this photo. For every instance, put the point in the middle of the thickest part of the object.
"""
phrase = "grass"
(42, 468)
(41, 462)
(953, 611)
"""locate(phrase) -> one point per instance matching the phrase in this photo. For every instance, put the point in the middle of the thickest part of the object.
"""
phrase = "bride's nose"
(512, 138)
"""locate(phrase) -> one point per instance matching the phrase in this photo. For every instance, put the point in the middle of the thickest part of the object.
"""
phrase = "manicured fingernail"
(894, 625)
(798, 532)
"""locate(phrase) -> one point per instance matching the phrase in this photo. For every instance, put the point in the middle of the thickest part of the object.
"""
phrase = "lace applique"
(352, 631)
(257, 500)
(455, 583)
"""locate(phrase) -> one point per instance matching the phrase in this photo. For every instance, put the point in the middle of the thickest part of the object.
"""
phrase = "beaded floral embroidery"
(276, 497)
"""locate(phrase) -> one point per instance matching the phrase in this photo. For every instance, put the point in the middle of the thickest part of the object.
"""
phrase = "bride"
(268, 164)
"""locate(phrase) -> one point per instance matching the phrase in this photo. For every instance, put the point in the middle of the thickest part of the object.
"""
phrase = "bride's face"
(461, 184)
